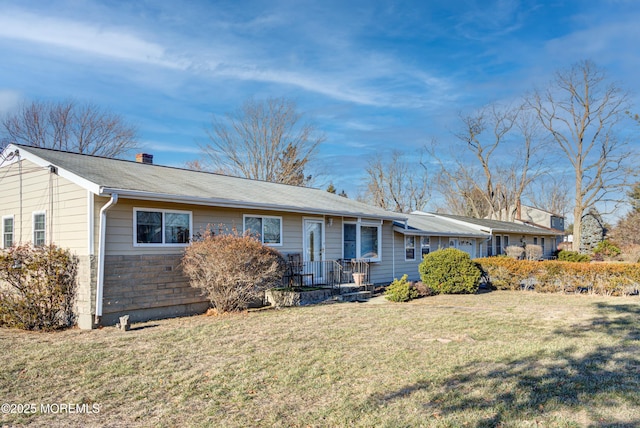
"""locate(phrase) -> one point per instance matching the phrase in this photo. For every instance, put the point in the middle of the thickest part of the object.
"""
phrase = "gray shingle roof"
(133, 179)
(428, 224)
(500, 226)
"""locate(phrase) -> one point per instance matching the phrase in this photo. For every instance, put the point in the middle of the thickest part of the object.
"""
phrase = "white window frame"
(423, 246)
(359, 225)
(33, 227)
(13, 231)
(163, 211)
(407, 240)
(269, 244)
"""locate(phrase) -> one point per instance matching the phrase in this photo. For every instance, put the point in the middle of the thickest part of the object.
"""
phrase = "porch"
(342, 276)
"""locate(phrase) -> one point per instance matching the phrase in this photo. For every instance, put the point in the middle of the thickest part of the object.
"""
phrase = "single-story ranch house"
(129, 222)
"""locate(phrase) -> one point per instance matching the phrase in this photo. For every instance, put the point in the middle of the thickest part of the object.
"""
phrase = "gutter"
(101, 249)
(228, 203)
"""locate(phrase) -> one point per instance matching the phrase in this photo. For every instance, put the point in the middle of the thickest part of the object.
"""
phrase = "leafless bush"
(37, 287)
(514, 251)
(232, 269)
(533, 252)
(630, 253)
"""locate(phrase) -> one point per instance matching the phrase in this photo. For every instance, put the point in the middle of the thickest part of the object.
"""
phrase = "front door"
(313, 248)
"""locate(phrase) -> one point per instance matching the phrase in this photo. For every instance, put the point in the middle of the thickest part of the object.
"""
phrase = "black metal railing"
(326, 273)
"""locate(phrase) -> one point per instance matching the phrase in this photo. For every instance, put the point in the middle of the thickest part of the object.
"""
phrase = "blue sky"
(375, 76)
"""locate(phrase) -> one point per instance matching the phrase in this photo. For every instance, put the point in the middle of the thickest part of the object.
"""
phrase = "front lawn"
(501, 358)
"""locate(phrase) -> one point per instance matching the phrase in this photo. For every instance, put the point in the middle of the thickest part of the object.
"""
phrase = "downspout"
(101, 249)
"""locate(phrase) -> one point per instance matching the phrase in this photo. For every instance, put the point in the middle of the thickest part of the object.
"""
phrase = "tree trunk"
(577, 226)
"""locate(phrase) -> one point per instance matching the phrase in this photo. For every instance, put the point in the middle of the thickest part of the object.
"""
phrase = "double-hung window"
(39, 228)
(7, 231)
(161, 227)
(362, 241)
(425, 245)
(409, 248)
(268, 229)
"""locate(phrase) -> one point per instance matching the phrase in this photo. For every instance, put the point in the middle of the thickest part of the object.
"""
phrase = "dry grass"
(511, 359)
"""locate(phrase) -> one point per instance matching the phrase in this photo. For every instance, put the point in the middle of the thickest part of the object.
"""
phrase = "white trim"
(322, 236)
(33, 226)
(13, 232)
(260, 216)
(421, 246)
(163, 212)
(406, 238)
(359, 224)
(23, 153)
(90, 224)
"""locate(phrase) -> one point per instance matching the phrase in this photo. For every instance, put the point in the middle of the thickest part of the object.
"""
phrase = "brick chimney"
(144, 158)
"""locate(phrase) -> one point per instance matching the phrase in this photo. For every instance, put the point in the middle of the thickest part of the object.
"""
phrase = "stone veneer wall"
(86, 292)
(148, 287)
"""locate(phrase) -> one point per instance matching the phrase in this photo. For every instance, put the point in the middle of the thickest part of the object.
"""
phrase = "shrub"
(533, 252)
(507, 274)
(630, 253)
(422, 289)
(606, 249)
(562, 276)
(514, 251)
(450, 271)
(573, 256)
(37, 287)
(400, 290)
(232, 269)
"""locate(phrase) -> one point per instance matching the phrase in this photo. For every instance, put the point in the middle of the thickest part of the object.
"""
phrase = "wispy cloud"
(8, 100)
(341, 72)
(88, 38)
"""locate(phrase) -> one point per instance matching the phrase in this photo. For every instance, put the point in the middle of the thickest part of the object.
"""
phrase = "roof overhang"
(418, 232)
(21, 153)
(229, 203)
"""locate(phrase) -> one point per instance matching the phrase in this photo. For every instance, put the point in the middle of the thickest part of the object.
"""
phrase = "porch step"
(358, 296)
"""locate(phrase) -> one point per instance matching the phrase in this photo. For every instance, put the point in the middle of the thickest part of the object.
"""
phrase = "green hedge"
(615, 279)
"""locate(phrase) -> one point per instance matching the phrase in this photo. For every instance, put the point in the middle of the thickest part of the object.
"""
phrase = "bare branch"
(265, 141)
(69, 126)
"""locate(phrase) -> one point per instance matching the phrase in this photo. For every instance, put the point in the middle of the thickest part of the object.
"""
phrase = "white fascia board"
(227, 203)
(428, 233)
(74, 178)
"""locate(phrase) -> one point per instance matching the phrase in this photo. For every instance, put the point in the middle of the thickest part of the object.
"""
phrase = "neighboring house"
(129, 222)
(500, 235)
(537, 217)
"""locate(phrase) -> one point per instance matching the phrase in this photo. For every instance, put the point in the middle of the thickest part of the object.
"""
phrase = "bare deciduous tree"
(69, 126)
(503, 143)
(551, 195)
(397, 185)
(263, 140)
(581, 110)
